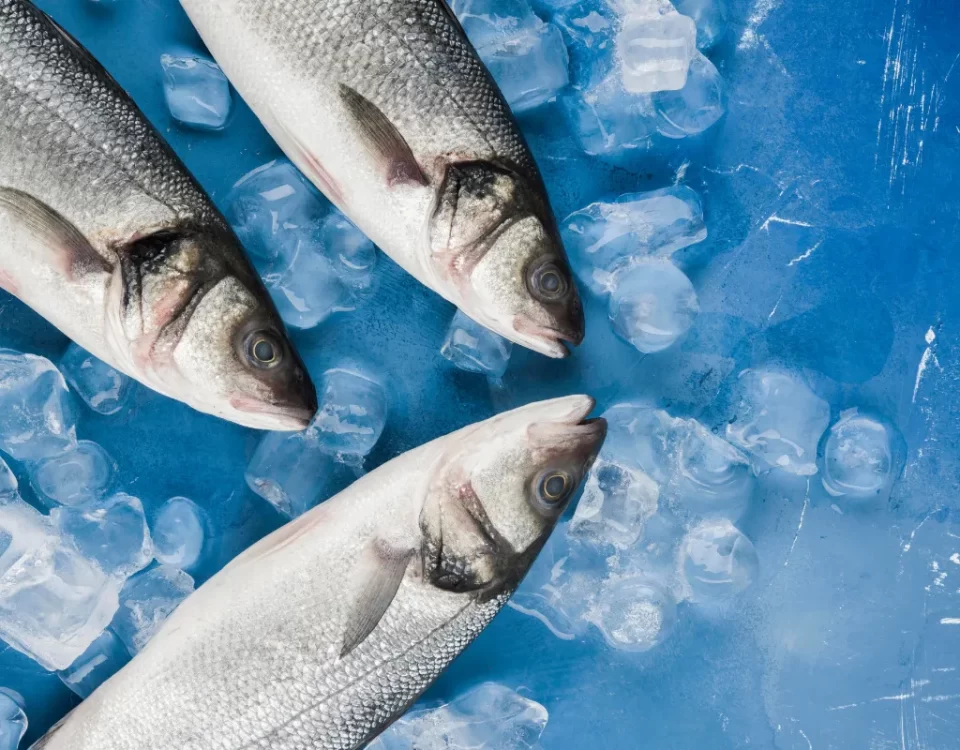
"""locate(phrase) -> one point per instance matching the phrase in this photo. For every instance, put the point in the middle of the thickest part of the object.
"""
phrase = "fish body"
(386, 107)
(105, 234)
(326, 631)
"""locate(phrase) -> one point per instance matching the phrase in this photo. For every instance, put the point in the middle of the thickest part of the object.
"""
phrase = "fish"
(323, 633)
(385, 106)
(104, 233)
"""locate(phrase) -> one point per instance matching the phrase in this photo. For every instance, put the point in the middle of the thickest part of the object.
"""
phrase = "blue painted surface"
(843, 134)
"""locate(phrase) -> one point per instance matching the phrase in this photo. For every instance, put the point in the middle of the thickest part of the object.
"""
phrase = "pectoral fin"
(383, 140)
(70, 251)
(377, 577)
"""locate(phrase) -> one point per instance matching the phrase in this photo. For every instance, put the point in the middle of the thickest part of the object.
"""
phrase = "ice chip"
(113, 533)
(713, 479)
(616, 503)
(105, 657)
(610, 122)
(80, 476)
(634, 613)
(146, 601)
(179, 533)
(694, 108)
(710, 17)
(8, 481)
(490, 22)
(352, 414)
(474, 348)
(607, 235)
(653, 304)
(531, 67)
(102, 388)
(53, 602)
(353, 254)
(717, 561)
(590, 29)
(196, 91)
(490, 716)
(858, 459)
(13, 720)
(290, 471)
(655, 45)
(778, 421)
(305, 286)
(36, 414)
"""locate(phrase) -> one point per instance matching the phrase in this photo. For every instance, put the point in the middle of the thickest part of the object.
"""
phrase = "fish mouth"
(274, 417)
(553, 342)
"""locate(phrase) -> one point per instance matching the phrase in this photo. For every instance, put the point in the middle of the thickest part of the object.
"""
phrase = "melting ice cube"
(858, 460)
(105, 657)
(491, 716)
(694, 108)
(352, 414)
(102, 388)
(36, 411)
(196, 90)
(290, 471)
(113, 533)
(590, 29)
(655, 45)
(653, 304)
(8, 481)
(179, 533)
(353, 255)
(711, 479)
(717, 561)
(617, 500)
(13, 720)
(305, 287)
(474, 348)
(79, 476)
(146, 601)
(634, 613)
(608, 121)
(710, 17)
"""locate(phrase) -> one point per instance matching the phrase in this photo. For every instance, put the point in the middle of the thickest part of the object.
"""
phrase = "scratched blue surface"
(833, 212)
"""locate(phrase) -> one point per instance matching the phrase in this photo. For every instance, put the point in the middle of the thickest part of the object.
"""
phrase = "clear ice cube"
(717, 561)
(655, 45)
(53, 601)
(490, 22)
(196, 91)
(305, 286)
(146, 601)
(778, 421)
(711, 479)
(37, 417)
(858, 460)
(490, 716)
(113, 533)
(607, 235)
(590, 29)
(102, 388)
(474, 348)
(9, 486)
(610, 122)
(616, 503)
(694, 108)
(80, 476)
(652, 304)
(179, 533)
(290, 471)
(354, 256)
(105, 657)
(634, 613)
(352, 414)
(710, 17)
(13, 720)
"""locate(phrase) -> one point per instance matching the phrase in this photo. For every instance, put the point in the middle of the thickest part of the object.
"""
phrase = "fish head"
(498, 500)
(234, 359)
(505, 257)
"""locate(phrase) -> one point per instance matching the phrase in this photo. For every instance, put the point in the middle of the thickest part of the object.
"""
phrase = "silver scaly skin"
(386, 107)
(321, 635)
(105, 234)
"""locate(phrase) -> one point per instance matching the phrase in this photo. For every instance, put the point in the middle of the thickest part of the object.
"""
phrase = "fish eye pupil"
(550, 281)
(554, 487)
(264, 351)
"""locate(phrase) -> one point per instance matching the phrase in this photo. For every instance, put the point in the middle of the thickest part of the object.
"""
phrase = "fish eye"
(549, 282)
(554, 487)
(263, 349)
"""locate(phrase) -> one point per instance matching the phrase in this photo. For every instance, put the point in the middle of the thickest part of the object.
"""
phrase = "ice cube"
(712, 479)
(146, 601)
(607, 235)
(590, 29)
(8, 481)
(196, 91)
(717, 561)
(290, 471)
(13, 720)
(352, 414)
(490, 716)
(778, 421)
(53, 602)
(655, 45)
(79, 476)
(105, 657)
(305, 286)
(653, 304)
(490, 22)
(353, 254)
(179, 533)
(610, 122)
(694, 108)
(474, 348)
(616, 503)
(858, 460)
(36, 412)
(102, 388)
(634, 613)
(710, 17)
(113, 533)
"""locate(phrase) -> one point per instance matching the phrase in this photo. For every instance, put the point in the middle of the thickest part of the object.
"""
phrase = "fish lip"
(274, 417)
(546, 340)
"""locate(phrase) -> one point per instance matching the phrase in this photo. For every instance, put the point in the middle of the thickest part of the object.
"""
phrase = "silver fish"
(386, 107)
(105, 234)
(322, 634)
